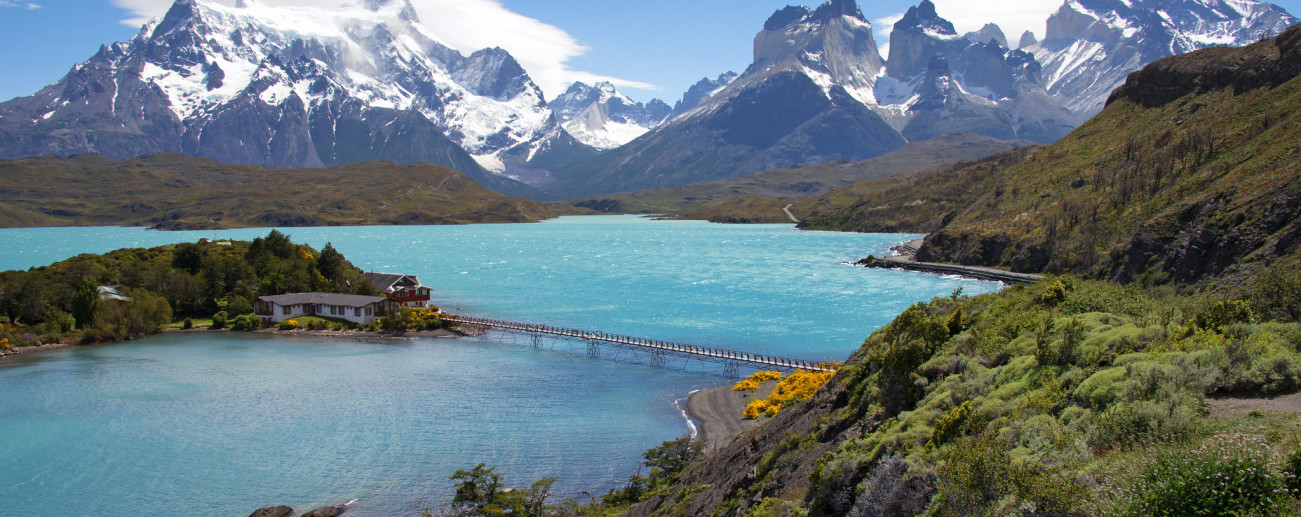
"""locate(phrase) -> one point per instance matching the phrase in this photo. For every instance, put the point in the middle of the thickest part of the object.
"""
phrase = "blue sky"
(649, 49)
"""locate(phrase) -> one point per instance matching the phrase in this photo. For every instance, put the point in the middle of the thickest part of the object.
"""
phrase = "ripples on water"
(220, 424)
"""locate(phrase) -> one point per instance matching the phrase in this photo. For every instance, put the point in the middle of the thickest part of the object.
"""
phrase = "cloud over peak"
(543, 50)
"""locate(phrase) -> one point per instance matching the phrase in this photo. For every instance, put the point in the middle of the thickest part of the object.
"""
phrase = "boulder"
(272, 511)
(328, 511)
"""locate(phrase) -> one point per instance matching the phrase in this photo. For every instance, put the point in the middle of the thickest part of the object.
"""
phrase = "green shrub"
(219, 320)
(1230, 474)
(1276, 294)
(1292, 473)
(1224, 313)
(246, 322)
(1279, 373)
(187, 324)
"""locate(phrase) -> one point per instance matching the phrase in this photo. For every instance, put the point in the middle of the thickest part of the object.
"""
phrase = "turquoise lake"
(223, 423)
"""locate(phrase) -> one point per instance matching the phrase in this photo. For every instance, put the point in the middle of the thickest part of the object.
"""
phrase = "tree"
(672, 457)
(188, 257)
(477, 491)
(84, 303)
(330, 264)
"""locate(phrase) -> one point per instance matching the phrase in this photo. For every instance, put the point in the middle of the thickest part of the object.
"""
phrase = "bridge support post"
(593, 348)
(657, 357)
(537, 341)
(732, 369)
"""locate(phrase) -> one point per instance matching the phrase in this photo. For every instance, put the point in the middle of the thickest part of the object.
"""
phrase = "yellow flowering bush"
(745, 385)
(4, 343)
(752, 382)
(290, 325)
(795, 387)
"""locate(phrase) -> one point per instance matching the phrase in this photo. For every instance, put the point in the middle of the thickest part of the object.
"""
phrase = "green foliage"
(479, 492)
(1292, 473)
(1230, 474)
(84, 302)
(187, 324)
(899, 348)
(1224, 313)
(670, 458)
(233, 196)
(145, 314)
(219, 320)
(1276, 294)
(245, 322)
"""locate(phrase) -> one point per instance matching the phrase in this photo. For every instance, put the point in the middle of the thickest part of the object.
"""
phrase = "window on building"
(368, 313)
(357, 311)
(285, 309)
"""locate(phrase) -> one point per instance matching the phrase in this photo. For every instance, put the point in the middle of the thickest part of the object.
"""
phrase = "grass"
(171, 191)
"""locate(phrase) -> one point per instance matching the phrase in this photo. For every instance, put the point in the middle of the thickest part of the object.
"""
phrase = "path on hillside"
(787, 209)
(1229, 407)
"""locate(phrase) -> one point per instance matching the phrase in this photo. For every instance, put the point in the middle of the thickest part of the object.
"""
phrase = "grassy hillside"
(1068, 397)
(171, 191)
(1193, 171)
(759, 197)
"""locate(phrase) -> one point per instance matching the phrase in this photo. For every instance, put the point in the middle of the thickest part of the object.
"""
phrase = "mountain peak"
(405, 10)
(178, 15)
(924, 17)
(829, 10)
(836, 8)
(786, 16)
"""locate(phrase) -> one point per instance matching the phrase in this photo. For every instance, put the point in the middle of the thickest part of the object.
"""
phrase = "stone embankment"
(905, 261)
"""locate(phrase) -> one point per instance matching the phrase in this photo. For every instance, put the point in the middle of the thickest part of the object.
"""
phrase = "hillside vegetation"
(1192, 172)
(1068, 397)
(172, 191)
(1071, 396)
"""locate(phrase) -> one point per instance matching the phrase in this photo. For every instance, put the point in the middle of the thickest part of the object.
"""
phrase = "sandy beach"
(721, 412)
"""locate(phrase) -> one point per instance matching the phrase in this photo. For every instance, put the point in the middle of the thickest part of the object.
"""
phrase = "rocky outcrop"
(1263, 64)
(1210, 237)
(328, 511)
(272, 511)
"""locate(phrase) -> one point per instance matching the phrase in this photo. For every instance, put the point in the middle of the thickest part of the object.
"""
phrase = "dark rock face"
(701, 91)
(328, 511)
(1208, 238)
(1264, 64)
(272, 511)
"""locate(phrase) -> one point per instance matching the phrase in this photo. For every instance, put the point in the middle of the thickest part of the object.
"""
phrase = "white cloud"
(29, 6)
(1013, 16)
(467, 25)
(881, 28)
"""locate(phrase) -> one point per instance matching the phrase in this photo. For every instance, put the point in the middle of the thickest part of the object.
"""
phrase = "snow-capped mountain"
(702, 90)
(290, 87)
(603, 118)
(804, 99)
(937, 82)
(1091, 45)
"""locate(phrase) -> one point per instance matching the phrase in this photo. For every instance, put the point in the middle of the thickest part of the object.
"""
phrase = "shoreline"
(468, 331)
(719, 413)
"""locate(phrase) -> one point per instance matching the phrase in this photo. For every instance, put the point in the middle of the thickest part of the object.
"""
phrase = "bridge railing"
(680, 348)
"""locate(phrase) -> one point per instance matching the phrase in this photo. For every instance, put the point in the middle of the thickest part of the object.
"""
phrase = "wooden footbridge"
(659, 350)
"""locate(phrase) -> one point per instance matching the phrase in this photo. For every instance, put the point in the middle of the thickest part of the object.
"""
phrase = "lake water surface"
(222, 423)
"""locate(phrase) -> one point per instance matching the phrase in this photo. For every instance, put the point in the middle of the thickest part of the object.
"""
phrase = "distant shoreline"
(469, 330)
